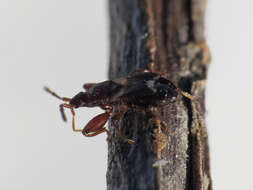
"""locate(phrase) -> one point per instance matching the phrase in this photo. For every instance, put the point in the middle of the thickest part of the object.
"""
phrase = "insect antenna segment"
(62, 106)
(56, 95)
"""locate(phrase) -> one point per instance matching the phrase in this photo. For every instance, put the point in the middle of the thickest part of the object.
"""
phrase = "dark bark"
(170, 34)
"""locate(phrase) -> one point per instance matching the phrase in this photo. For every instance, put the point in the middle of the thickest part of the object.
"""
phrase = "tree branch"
(170, 34)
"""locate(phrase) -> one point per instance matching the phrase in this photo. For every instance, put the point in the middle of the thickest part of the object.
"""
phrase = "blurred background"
(64, 44)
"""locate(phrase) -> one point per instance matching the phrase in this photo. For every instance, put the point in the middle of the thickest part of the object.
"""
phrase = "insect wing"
(134, 88)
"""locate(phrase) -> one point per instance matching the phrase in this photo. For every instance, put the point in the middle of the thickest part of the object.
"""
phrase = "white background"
(64, 44)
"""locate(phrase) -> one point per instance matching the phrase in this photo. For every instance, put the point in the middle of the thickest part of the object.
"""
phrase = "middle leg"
(116, 117)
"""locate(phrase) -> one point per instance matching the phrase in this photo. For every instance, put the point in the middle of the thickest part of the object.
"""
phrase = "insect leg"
(73, 121)
(62, 106)
(186, 94)
(151, 67)
(97, 132)
(116, 117)
(160, 137)
(96, 125)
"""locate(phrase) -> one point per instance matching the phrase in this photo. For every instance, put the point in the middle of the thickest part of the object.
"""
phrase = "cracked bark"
(170, 34)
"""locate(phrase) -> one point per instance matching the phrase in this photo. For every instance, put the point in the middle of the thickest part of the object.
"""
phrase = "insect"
(140, 90)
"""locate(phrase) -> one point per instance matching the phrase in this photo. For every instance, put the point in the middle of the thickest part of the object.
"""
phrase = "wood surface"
(170, 35)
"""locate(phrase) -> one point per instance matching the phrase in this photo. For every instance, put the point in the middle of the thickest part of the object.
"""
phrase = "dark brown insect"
(140, 90)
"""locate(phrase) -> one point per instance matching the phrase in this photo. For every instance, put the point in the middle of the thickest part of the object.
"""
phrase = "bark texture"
(169, 34)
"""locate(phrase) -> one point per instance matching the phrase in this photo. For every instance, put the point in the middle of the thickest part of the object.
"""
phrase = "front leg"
(96, 125)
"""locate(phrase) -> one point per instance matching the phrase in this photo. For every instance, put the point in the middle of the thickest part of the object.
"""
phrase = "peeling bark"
(169, 34)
